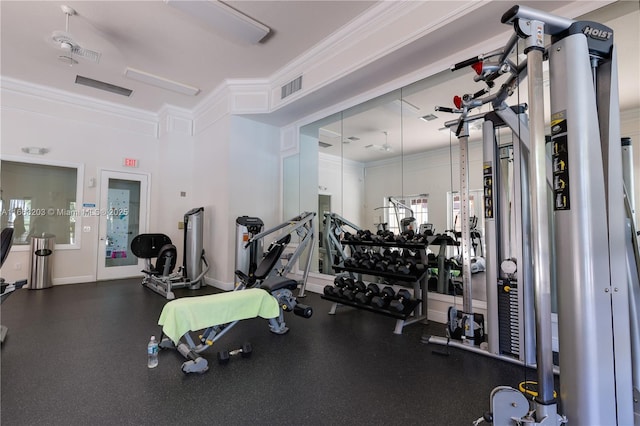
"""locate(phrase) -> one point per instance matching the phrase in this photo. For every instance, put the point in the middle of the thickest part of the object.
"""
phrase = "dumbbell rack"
(415, 311)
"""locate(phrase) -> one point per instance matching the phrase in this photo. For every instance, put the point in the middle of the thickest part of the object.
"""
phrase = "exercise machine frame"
(594, 269)
(161, 278)
(334, 225)
(302, 226)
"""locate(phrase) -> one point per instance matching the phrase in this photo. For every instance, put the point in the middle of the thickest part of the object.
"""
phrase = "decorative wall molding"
(175, 120)
(288, 139)
(248, 96)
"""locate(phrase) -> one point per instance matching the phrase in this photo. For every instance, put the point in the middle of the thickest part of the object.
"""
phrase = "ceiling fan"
(64, 40)
(382, 148)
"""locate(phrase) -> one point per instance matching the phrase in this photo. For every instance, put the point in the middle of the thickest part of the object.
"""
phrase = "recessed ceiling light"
(223, 18)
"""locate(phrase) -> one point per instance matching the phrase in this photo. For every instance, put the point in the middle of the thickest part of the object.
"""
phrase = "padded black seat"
(276, 283)
(267, 263)
(6, 239)
(149, 246)
(6, 289)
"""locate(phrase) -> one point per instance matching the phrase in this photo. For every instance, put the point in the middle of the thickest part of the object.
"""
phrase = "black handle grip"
(445, 109)
(466, 63)
(479, 93)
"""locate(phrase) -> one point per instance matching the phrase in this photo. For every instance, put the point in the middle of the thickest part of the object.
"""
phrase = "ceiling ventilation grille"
(96, 84)
(291, 87)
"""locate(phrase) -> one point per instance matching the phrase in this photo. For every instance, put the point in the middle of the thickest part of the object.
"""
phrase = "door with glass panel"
(123, 215)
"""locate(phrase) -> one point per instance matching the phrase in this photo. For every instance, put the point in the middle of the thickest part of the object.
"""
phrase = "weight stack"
(508, 317)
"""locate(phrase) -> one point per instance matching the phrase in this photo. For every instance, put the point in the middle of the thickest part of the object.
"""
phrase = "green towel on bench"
(196, 313)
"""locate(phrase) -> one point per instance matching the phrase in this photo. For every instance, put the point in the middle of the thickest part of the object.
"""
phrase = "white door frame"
(117, 272)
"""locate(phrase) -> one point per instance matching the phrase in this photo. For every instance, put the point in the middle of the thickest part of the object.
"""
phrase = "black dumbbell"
(388, 236)
(244, 351)
(402, 300)
(343, 285)
(340, 283)
(391, 255)
(351, 262)
(420, 239)
(403, 268)
(332, 290)
(366, 296)
(382, 265)
(364, 235)
(384, 298)
(377, 238)
(329, 290)
(366, 262)
(406, 236)
(351, 292)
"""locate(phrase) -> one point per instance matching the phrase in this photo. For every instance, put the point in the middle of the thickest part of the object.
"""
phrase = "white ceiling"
(156, 38)
(380, 121)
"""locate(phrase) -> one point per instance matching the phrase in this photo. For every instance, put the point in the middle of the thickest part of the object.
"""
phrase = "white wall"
(175, 175)
(254, 179)
(80, 136)
(231, 168)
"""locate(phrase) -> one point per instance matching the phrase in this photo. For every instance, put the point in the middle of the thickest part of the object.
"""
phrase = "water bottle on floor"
(152, 353)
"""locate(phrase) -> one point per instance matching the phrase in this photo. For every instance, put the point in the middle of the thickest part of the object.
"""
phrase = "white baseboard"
(74, 280)
(218, 284)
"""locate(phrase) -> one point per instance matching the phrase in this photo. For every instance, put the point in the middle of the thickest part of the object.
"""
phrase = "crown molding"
(250, 96)
(76, 107)
(86, 102)
(347, 36)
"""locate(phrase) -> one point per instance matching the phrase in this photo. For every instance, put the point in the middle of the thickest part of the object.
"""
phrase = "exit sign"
(130, 162)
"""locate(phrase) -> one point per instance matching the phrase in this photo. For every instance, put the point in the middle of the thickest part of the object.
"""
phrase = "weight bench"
(6, 289)
(258, 295)
(160, 277)
(219, 313)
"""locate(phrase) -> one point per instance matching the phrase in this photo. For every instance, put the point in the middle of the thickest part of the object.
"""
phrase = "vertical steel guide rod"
(540, 216)
(465, 234)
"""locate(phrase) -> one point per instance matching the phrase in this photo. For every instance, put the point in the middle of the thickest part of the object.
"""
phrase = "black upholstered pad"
(276, 283)
(147, 246)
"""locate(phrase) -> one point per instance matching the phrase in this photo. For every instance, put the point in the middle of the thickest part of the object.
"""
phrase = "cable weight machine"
(594, 260)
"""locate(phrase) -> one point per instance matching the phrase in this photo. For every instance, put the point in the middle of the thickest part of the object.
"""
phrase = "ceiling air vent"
(96, 84)
(351, 139)
(428, 117)
(291, 87)
(324, 144)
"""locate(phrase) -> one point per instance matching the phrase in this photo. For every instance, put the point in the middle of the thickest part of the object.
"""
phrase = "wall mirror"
(396, 145)
(372, 165)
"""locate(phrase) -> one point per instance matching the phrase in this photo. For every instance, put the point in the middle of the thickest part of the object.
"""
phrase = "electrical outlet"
(86, 229)
(18, 267)
(180, 225)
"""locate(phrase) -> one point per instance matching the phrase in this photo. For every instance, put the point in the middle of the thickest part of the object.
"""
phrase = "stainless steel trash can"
(41, 261)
